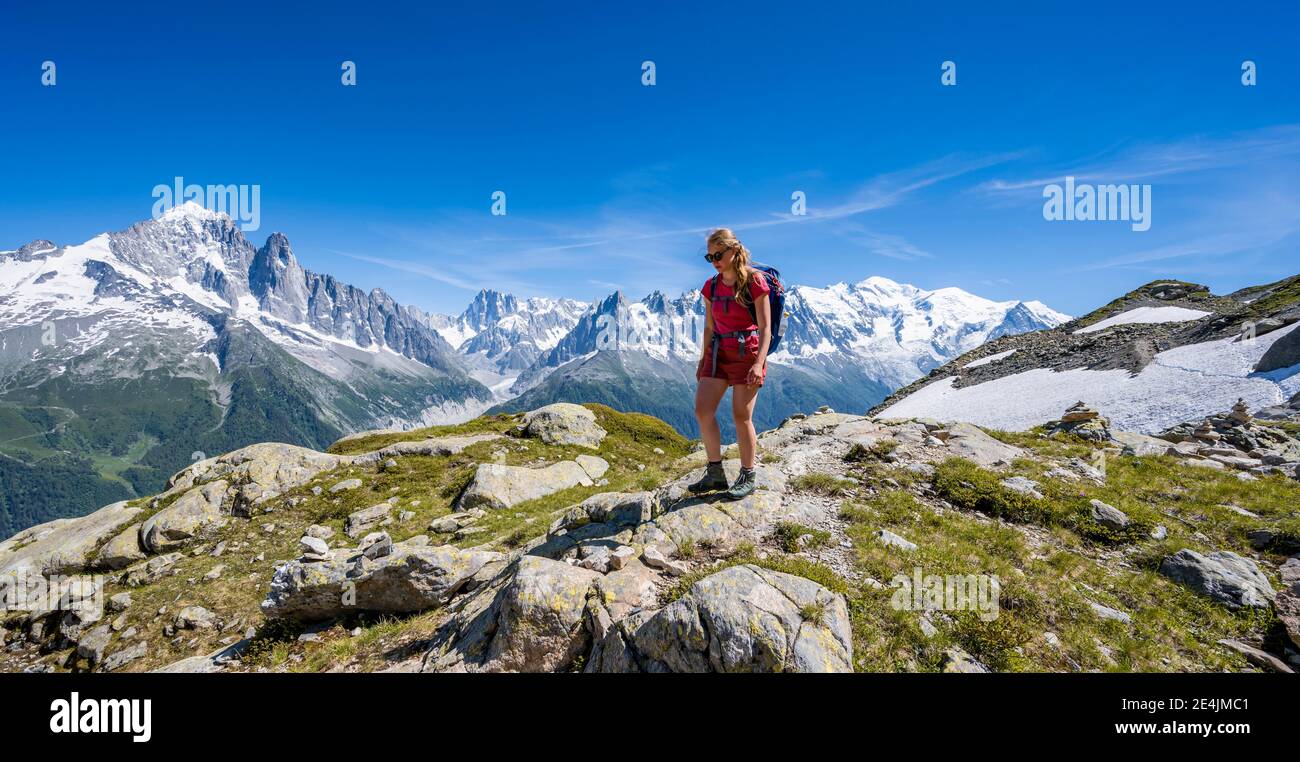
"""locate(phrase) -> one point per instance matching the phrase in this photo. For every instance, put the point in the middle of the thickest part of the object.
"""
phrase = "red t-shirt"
(731, 315)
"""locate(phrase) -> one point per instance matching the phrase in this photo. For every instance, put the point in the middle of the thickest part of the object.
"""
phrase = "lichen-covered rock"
(1226, 577)
(742, 619)
(564, 423)
(199, 510)
(407, 580)
(532, 622)
(63, 545)
(970, 442)
(121, 551)
(719, 524)
(151, 570)
(363, 521)
(256, 473)
(497, 486)
(621, 508)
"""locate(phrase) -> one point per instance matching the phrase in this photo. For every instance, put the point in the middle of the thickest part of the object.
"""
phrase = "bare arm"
(763, 311)
(708, 329)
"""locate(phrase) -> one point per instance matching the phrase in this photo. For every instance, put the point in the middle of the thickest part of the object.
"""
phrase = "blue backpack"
(775, 300)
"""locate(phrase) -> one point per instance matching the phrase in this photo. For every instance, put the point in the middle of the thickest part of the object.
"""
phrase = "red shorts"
(731, 366)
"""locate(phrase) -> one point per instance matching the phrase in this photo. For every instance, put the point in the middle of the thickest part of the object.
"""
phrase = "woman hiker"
(735, 354)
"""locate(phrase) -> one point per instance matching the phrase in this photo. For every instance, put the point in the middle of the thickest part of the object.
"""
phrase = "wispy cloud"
(471, 256)
(1146, 162)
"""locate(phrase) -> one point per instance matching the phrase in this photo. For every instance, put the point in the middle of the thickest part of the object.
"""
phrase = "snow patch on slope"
(1181, 384)
(1147, 315)
(991, 359)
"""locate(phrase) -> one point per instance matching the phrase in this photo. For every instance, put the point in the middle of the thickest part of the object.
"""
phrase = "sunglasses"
(715, 257)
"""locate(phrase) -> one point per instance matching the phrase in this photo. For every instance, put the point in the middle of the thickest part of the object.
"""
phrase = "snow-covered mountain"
(121, 356)
(898, 332)
(892, 333)
(847, 345)
(499, 335)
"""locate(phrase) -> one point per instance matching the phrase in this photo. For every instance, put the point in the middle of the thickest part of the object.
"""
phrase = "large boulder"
(621, 508)
(198, 511)
(497, 486)
(63, 545)
(1226, 577)
(742, 619)
(721, 525)
(1284, 353)
(121, 551)
(532, 622)
(257, 473)
(564, 423)
(407, 580)
(968, 441)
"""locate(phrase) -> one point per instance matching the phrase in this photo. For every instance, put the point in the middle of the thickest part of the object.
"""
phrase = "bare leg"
(742, 410)
(707, 396)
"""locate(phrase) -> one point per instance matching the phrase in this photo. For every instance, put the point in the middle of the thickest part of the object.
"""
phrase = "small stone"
(1106, 612)
(120, 602)
(889, 538)
(655, 559)
(214, 573)
(1024, 486)
(597, 558)
(314, 546)
(346, 484)
(319, 532)
(445, 525)
(195, 618)
(376, 545)
(1109, 515)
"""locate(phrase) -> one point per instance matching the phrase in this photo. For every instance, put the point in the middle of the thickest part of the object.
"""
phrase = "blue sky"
(610, 184)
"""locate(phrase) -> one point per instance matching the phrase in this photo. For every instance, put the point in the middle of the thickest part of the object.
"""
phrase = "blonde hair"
(724, 238)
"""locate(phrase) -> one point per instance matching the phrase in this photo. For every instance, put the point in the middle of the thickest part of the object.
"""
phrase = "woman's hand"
(755, 374)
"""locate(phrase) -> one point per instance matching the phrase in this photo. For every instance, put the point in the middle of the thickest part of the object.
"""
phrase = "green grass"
(1042, 589)
(822, 484)
(787, 536)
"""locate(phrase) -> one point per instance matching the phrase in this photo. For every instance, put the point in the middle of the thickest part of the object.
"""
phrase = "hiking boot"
(714, 479)
(745, 484)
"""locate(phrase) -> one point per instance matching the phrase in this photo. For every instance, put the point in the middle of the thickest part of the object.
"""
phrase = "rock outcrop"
(1226, 577)
(496, 486)
(408, 579)
(63, 545)
(564, 423)
(742, 619)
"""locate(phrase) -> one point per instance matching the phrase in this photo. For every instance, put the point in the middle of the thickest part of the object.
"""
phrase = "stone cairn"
(1235, 440)
(1082, 421)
